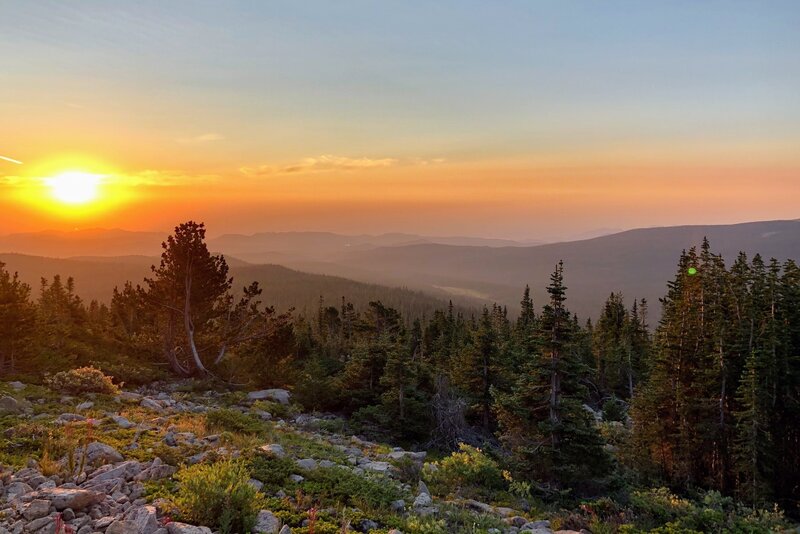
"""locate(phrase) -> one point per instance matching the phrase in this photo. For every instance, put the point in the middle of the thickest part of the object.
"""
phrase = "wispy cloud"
(198, 139)
(324, 163)
(10, 181)
(12, 160)
(164, 178)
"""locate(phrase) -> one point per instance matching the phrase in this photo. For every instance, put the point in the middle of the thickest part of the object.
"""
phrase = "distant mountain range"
(470, 270)
(258, 248)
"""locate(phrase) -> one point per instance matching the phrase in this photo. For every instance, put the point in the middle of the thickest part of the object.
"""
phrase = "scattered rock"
(267, 523)
(274, 449)
(36, 509)
(38, 524)
(144, 518)
(183, 528)
(378, 467)
(15, 489)
(275, 395)
(74, 498)
(122, 527)
(122, 422)
(10, 405)
(99, 453)
(65, 418)
(309, 464)
(151, 404)
(16, 385)
(130, 397)
(423, 500)
(84, 406)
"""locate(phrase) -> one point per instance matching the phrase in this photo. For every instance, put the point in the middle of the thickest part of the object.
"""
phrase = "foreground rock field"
(111, 464)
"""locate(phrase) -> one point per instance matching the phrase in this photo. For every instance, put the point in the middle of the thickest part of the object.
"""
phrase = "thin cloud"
(12, 160)
(324, 163)
(162, 178)
(198, 139)
(10, 181)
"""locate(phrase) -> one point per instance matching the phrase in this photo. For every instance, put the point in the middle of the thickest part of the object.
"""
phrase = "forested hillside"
(96, 277)
(705, 403)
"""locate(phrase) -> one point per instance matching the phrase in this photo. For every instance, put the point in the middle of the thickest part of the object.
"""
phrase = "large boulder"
(124, 471)
(99, 453)
(122, 422)
(156, 471)
(122, 526)
(274, 449)
(378, 467)
(183, 528)
(267, 523)
(144, 518)
(36, 509)
(309, 464)
(275, 395)
(151, 404)
(12, 406)
(74, 498)
(17, 386)
(17, 489)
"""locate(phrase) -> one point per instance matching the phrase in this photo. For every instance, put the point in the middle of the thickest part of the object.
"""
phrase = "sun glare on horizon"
(74, 187)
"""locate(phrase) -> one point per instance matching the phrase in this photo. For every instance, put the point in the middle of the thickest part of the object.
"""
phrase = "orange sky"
(511, 122)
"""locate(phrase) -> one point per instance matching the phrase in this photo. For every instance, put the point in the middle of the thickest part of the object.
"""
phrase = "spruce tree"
(542, 419)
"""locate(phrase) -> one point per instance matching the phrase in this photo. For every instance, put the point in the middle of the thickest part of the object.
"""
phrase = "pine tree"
(477, 369)
(542, 419)
(17, 317)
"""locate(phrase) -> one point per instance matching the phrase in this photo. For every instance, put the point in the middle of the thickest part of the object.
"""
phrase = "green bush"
(468, 471)
(336, 485)
(276, 409)
(82, 380)
(132, 372)
(271, 470)
(234, 421)
(614, 410)
(218, 495)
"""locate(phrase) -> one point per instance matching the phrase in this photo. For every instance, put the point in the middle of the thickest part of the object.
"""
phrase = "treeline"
(709, 399)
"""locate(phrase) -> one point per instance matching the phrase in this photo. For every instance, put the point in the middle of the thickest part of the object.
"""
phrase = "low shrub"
(270, 469)
(467, 472)
(218, 495)
(229, 420)
(132, 372)
(335, 485)
(276, 409)
(82, 380)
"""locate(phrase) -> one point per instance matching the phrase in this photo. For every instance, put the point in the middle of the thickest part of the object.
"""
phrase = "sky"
(516, 119)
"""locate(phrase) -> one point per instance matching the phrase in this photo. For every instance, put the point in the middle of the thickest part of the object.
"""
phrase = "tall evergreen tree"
(542, 419)
(17, 316)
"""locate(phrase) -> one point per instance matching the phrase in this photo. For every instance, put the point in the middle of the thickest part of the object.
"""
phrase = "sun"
(74, 187)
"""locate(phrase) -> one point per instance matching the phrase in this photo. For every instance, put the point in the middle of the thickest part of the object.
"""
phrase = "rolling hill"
(469, 270)
(283, 288)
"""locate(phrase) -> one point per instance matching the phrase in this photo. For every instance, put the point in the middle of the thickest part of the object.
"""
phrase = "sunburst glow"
(74, 187)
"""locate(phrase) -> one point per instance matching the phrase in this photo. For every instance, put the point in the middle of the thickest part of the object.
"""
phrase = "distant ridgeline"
(708, 398)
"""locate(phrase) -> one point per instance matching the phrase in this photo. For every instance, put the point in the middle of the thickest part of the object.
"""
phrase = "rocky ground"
(130, 446)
